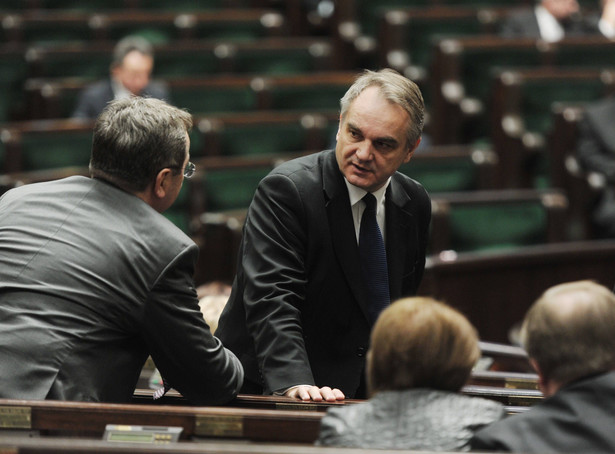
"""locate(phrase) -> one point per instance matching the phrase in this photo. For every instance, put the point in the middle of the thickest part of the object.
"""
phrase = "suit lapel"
(341, 226)
(398, 223)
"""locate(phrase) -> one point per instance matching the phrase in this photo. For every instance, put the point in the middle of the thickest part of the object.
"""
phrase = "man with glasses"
(93, 278)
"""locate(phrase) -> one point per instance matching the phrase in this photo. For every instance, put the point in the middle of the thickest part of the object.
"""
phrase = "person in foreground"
(422, 352)
(130, 75)
(568, 334)
(93, 278)
(302, 303)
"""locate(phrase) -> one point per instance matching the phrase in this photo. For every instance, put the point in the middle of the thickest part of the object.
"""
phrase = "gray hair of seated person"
(129, 44)
(134, 138)
(419, 342)
(570, 331)
(396, 89)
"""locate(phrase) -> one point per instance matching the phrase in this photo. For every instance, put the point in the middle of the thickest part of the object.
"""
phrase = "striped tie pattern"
(373, 259)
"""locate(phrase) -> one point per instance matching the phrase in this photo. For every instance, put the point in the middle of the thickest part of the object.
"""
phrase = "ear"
(161, 183)
(411, 150)
(543, 381)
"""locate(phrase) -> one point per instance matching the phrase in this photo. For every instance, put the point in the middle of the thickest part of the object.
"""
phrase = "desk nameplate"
(219, 426)
(295, 406)
(15, 417)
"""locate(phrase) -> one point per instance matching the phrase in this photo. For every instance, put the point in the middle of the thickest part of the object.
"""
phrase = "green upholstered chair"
(498, 219)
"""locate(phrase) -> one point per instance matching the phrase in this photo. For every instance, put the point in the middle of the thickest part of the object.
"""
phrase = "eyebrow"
(385, 140)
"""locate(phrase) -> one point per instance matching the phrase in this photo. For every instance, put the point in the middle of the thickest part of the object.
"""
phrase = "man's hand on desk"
(307, 392)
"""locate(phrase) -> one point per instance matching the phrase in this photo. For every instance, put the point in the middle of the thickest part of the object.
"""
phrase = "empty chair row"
(57, 97)
(261, 56)
(43, 144)
(158, 26)
(97, 5)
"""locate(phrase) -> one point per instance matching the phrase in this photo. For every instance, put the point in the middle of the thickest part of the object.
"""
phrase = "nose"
(364, 152)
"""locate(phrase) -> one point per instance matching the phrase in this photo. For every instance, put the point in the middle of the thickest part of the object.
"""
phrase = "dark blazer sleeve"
(190, 358)
(483, 442)
(93, 99)
(274, 279)
(158, 89)
(424, 213)
(520, 24)
(596, 145)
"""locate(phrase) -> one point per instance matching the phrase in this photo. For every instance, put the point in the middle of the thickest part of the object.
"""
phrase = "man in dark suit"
(299, 314)
(130, 74)
(93, 278)
(553, 20)
(596, 153)
(569, 336)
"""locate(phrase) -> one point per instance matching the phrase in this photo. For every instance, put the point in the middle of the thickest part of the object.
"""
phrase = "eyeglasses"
(188, 170)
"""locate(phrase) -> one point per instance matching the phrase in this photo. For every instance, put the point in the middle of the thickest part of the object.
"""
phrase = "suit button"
(361, 352)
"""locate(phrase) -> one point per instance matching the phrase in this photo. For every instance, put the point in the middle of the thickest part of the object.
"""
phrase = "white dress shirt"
(357, 206)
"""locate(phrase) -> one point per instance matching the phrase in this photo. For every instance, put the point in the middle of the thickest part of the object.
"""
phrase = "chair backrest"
(110, 25)
(463, 71)
(13, 71)
(45, 144)
(521, 116)
(410, 31)
(496, 220)
(56, 97)
(198, 57)
(449, 168)
(264, 132)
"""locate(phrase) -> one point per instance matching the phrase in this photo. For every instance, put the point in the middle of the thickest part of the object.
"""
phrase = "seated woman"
(422, 353)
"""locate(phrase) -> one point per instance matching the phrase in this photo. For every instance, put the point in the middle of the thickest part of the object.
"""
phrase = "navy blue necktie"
(373, 259)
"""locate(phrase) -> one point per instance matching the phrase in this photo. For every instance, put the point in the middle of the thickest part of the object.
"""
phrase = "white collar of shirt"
(550, 28)
(357, 207)
(119, 91)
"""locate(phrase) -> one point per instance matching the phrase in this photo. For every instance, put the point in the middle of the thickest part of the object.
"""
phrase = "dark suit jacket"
(95, 97)
(596, 147)
(596, 153)
(297, 313)
(524, 24)
(92, 280)
(578, 418)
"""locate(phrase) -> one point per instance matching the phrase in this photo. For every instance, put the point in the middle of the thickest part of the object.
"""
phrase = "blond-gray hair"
(396, 89)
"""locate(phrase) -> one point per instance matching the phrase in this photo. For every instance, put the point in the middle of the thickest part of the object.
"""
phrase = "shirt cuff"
(282, 392)
(606, 29)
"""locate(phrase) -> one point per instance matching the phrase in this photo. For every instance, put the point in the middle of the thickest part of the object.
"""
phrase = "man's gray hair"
(134, 138)
(127, 45)
(396, 89)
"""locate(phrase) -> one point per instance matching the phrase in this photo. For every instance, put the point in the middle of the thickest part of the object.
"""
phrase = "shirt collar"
(119, 91)
(356, 194)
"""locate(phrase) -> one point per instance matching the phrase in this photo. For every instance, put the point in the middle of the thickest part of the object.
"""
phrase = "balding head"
(570, 331)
